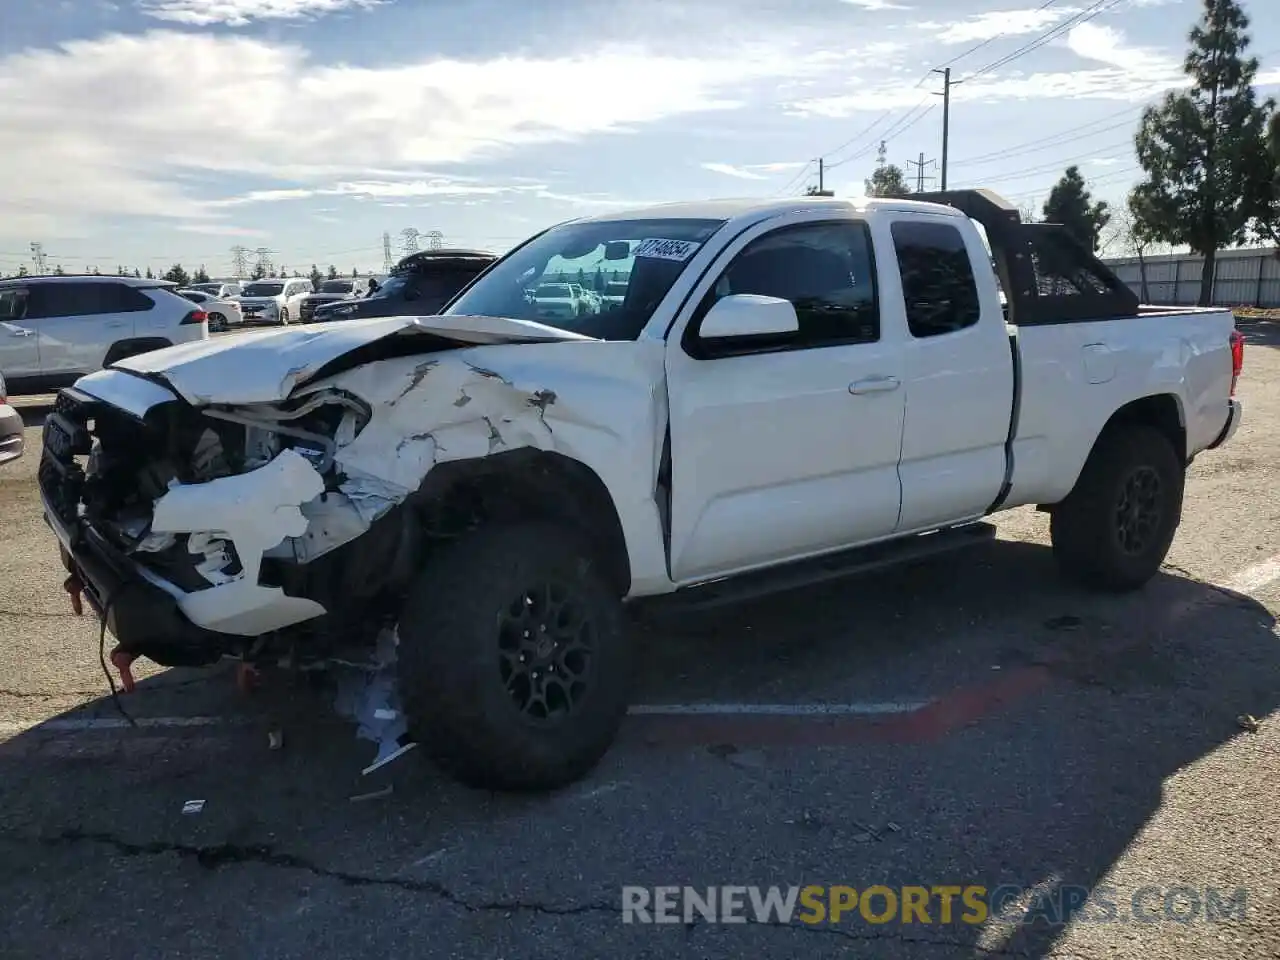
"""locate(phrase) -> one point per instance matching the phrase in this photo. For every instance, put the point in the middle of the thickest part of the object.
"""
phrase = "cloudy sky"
(145, 132)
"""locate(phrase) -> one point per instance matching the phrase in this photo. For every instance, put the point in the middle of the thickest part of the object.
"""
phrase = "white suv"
(54, 330)
(274, 299)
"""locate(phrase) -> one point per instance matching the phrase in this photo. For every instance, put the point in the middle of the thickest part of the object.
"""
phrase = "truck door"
(958, 368)
(790, 449)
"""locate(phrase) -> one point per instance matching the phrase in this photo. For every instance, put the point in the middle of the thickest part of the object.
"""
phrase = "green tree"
(814, 191)
(201, 275)
(315, 276)
(120, 271)
(887, 179)
(22, 270)
(355, 274)
(1266, 225)
(138, 275)
(177, 275)
(333, 273)
(1203, 150)
(258, 272)
(96, 272)
(58, 271)
(1071, 204)
(150, 275)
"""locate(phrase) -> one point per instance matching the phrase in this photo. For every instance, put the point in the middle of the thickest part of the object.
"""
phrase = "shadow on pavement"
(1261, 333)
(1049, 791)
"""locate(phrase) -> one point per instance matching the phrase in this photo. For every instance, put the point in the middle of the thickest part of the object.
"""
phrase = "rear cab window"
(938, 285)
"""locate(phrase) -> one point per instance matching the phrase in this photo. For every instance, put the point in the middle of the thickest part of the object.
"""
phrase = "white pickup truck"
(790, 390)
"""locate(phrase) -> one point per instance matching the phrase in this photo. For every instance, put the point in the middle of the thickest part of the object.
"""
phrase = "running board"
(832, 566)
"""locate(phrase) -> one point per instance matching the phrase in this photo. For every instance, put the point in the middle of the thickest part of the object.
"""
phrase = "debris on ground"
(369, 695)
(374, 795)
(275, 739)
(193, 806)
(1249, 722)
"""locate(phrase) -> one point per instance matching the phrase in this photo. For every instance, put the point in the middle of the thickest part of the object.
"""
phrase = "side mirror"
(744, 315)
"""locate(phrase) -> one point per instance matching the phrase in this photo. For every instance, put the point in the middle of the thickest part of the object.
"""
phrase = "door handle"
(874, 385)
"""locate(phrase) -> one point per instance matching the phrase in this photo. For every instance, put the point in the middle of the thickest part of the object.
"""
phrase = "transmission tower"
(409, 240)
(264, 261)
(37, 257)
(435, 239)
(387, 262)
(239, 261)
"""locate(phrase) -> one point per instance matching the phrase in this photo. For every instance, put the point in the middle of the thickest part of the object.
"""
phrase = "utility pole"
(920, 166)
(821, 172)
(37, 257)
(946, 116)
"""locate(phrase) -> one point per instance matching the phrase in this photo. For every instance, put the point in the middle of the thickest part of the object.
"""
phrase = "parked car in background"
(615, 292)
(274, 299)
(54, 330)
(12, 429)
(331, 291)
(420, 285)
(557, 301)
(223, 313)
(218, 288)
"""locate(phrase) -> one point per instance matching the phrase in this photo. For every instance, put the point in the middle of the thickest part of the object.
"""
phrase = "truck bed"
(1182, 355)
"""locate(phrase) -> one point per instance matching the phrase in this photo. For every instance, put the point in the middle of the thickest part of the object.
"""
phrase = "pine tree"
(333, 272)
(201, 275)
(150, 275)
(58, 271)
(315, 276)
(177, 275)
(887, 179)
(1203, 150)
(1071, 204)
(138, 275)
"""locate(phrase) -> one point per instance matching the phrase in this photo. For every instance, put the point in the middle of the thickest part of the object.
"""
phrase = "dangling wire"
(102, 659)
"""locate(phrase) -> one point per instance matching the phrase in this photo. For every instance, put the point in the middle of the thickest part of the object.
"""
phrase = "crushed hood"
(264, 367)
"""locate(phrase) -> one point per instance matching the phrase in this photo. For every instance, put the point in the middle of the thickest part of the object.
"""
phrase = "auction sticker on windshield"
(678, 250)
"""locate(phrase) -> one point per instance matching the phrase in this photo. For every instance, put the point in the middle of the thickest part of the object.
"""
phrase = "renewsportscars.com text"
(934, 905)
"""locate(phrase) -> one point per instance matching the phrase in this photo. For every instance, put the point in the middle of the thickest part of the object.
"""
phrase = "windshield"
(207, 287)
(336, 286)
(641, 259)
(263, 290)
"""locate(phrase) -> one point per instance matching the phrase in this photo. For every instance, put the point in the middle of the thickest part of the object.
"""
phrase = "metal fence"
(1243, 278)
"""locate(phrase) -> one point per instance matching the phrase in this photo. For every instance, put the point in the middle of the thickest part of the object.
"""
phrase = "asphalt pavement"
(970, 721)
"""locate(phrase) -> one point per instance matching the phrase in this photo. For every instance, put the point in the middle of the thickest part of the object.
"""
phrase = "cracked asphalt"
(1076, 741)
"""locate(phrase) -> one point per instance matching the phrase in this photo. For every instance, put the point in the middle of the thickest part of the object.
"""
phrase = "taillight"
(1237, 358)
(196, 316)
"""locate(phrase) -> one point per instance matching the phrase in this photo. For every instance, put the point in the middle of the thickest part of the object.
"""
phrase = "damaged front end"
(179, 524)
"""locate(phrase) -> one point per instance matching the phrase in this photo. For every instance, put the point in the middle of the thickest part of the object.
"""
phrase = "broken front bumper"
(148, 613)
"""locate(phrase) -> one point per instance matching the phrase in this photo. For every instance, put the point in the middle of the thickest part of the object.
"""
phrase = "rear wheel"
(284, 316)
(217, 322)
(514, 663)
(1115, 528)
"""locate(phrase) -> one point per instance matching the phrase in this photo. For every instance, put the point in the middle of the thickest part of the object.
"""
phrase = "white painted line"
(776, 709)
(108, 723)
(1255, 577)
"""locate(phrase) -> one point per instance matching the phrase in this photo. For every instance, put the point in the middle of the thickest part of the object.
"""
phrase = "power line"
(905, 123)
(978, 46)
(1096, 9)
(1056, 139)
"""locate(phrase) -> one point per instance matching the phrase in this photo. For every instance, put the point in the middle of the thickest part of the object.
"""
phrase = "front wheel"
(284, 316)
(514, 663)
(1114, 530)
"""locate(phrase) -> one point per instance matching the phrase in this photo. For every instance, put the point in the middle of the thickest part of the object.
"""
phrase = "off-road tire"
(1086, 527)
(458, 706)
